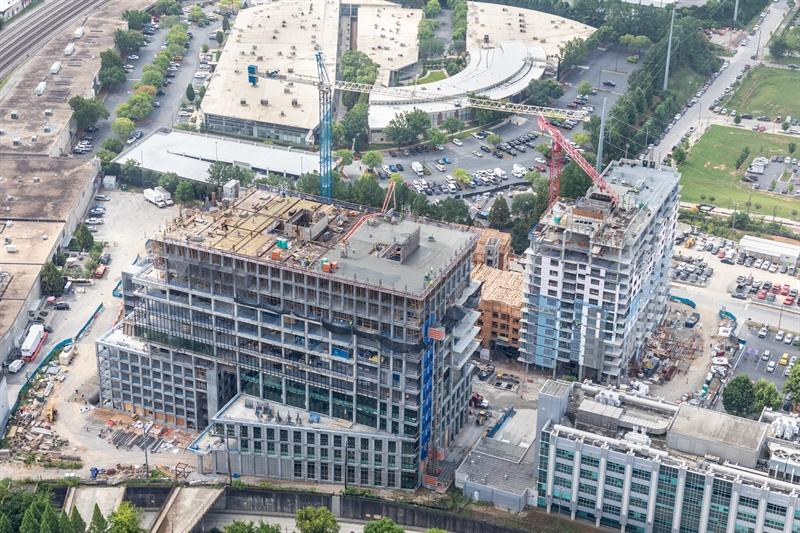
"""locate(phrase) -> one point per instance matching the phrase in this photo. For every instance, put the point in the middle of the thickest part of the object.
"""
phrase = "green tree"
(226, 24)
(49, 518)
(196, 14)
(316, 520)
(166, 7)
(739, 397)
(125, 519)
(431, 47)
(112, 76)
(778, 48)
(461, 175)
(356, 66)
(184, 192)
(128, 41)
(137, 107)
(353, 126)
(220, 37)
(543, 92)
(635, 42)
(240, 526)
(737, 119)
(767, 395)
(582, 138)
(452, 124)
(792, 384)
(679, 155)
(432, 9)
(87, 111)
(436, 136)
(584, 88)
(523, 205)
(435, 530)
(372, 159)
(52, 281)
(367, 191)
(110, 58)
(499, 214)
(345, 156)
(785, 125)
(136, 19)
(5, 524)
(451, 210)
(572, 53)
(792, 147)
(494, 139)
(170, 181)
(78, 525)
(83, 238)
(123, 127)
(64, 525)
(574, 181)
(407, 127)
(743, 155)
(384, 525)
(113, 145)
(30, 524)
(190, 93)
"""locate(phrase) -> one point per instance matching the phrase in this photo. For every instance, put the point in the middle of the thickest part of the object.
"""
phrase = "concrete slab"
(185, 508)
(85, 496)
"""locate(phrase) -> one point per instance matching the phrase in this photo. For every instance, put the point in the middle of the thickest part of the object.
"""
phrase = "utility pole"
(669, 48)
(736, 10)
(599, 163)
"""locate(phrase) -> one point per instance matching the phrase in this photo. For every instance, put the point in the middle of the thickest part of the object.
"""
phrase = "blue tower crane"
(325, 130)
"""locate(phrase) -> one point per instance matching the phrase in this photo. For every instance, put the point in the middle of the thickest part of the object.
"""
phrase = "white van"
(500, 173)
(15, 366)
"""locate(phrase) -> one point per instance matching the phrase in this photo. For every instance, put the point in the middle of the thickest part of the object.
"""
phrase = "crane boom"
(561, 143)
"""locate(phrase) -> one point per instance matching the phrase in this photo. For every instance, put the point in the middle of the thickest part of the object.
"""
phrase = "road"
(695, 115)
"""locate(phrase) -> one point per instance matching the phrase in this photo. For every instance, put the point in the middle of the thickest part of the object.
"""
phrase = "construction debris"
(669, 350)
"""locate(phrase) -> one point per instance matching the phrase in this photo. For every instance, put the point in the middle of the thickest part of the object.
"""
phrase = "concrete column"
(762, 510)
(734, 505)
(551, 469)
(706, 503)
(787, 524)
(576, 477)
(601, 481)
(676, 517)
(651, 502)
(626, 491)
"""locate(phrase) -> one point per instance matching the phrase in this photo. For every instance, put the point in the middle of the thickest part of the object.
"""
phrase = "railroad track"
(23, 39)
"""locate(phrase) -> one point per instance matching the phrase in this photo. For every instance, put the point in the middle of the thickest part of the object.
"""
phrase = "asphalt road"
(695, 115)
(755, 366)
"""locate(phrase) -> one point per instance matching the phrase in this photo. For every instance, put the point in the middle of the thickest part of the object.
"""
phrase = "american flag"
(436, 333)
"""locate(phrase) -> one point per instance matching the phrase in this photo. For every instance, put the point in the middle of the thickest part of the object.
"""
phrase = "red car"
(789, 300)
(541, 168)
(776, 289)
(762, 294)
(721, 253)
(785, 290)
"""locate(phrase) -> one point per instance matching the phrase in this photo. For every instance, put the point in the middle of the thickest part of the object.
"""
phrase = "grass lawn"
(709, 171)
(433, 75)
(767, 91)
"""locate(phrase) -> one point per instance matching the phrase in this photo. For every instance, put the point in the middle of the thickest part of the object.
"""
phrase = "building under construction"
(597, 273)
(307, 340)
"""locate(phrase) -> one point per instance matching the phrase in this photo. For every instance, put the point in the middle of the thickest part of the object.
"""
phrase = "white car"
(540, 160)
(133, 57)
(476, 153)
(788, 339)
(200, 75)
(457, 142)
(440, 167)
(93, 221)
(771, 367)
(184, 114)
(779, 336)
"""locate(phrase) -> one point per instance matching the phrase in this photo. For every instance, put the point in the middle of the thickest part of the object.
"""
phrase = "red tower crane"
(560, 143)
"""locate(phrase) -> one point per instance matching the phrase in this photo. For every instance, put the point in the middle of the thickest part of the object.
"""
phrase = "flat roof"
(283, 35)
(491, 24)
(190, 154)
(770, 247)
(402, 254)
(499, 465)
(500, 285)
(723, 428)
(387, 33)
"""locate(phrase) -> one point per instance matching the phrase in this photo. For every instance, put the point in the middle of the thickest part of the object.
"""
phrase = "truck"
(33, 342)
(41, 88)
(154, 197)
(500, 173)
(16, 365)
(418, 169)
(55, 67)
(165, 195)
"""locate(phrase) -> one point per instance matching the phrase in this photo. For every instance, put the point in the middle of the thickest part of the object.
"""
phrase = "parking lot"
(756, 362)
(775, 174)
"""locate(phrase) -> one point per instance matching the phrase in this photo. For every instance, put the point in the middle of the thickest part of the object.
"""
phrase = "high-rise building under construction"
(305, 340)
(598, 274)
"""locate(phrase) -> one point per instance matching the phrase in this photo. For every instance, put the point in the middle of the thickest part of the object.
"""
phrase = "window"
(298, 469)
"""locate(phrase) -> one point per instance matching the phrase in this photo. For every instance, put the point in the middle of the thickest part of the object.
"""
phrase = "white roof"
(387, 33)
(770, 247)
(283, 35)
(497, 72)
(190, 154)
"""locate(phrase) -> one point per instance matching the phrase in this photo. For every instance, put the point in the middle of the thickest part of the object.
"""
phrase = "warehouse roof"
(285, 36)
(190, 154)
(770, 247)
(725, 429)
(387, 33)
(500, 285)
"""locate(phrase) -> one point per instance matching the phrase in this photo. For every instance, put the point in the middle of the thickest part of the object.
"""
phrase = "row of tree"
(744, 397)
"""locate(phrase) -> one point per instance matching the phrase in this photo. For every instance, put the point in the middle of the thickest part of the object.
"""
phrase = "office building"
(597, 274)
(638, 464)
(306, 340)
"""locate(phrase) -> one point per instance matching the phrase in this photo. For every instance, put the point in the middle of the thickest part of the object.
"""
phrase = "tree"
(83, 237)
(64, 524)
(49, 518)
(240, 526)
(184, 192)
(452, 124)
(372, 159)
(778, 48)
(367, 191)
(574, 181)
(128, 41)
(112, 76)
(166, 7)
(125, 519)
(220, 37)
(356, 66)
(582, 138)
(743, 155)
(137, 107)
(87, 111)
(499, 214)
(384, 525)
(792, 384)
(221, 173)
(584, 88)
(352, 127)
(785, 125)
(136, 19)
(316, 520)
(435, 530)
(542, 92)
(149, 90)
(767, 395)
(679, 155)
(190, 93)
(451, 210)
(572, 53)
(408, 126)
(5, 524)
(432, 9)
(436, 136)
(170, 181)
(196, 14)
(635, 42)
(226, 24)
(523, 205)
(345, 156)
(78, 525)
(110, 58)
(52, 281)
(738, 397)
(152, 77)
(431, 47)
(737, 119)
(29, 522)
(123, 127)
(113, 145)
(462, 176)
(494, 139)
(792, 147)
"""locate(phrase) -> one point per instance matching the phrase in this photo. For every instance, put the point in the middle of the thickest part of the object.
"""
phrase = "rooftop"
(500, 285)
(283, 35)
(492, 24)
(728, 430)
(387, 33)
(190, 154)
(641, 191)
(770, 247)
(306, 234)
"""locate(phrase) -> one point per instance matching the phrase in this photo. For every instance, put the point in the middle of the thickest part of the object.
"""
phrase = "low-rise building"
(500, 306)
(779, 252)
(11, 8)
